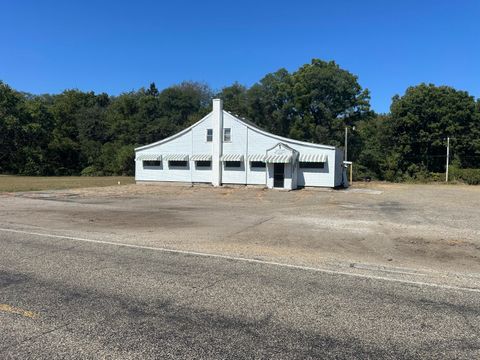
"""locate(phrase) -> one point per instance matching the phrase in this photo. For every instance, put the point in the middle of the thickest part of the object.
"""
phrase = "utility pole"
(345, 160)
(346, 145)
(448, 158)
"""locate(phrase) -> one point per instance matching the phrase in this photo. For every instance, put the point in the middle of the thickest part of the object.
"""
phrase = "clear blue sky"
(118, 46)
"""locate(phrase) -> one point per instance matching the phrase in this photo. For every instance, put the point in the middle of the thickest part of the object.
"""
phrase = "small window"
(177, 163)
(203, 164)
(232, 164)
(312, 165)
(209, 135)
(257, 164)
(152, 163)
(227, 134)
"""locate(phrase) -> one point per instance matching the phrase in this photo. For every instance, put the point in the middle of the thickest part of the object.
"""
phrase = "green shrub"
(437, 177)
(468, 176)
(90, 171)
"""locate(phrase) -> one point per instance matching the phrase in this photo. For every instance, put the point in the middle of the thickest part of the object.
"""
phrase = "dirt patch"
(443, 250)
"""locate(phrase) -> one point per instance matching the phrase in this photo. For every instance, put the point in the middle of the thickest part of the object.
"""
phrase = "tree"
(235, 99)
(371, 140)
(423, 118)
(326, 99)
(152, 90)
(313, 103)
(94, 134)
(10, 127)
(92, 130)
(65, 147)
(33, 156)
(271, 102)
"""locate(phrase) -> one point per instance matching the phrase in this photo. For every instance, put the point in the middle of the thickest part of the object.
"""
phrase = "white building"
(223, 149)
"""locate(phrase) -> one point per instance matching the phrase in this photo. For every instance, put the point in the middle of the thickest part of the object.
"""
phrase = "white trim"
(206, 136)
(229, 135)
(173, 136)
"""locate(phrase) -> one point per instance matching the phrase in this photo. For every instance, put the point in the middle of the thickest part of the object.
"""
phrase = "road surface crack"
(32, 338)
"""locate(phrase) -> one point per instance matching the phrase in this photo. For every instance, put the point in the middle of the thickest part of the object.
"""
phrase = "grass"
(31, 183)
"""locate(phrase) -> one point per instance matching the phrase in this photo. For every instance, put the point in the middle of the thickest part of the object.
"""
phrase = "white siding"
(245, 140)
(237, 145)
(179, 145)
(256, 176)
(317, 177)
(201, 146)
(185, 143)
(258, 143)
(201, 174)
(233, 175)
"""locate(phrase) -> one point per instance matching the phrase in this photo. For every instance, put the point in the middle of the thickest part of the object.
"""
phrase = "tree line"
(78, 132)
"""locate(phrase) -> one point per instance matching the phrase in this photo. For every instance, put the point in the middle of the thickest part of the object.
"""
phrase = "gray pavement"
(61, 298)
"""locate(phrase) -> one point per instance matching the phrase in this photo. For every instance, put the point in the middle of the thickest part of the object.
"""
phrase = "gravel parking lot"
(430, 227)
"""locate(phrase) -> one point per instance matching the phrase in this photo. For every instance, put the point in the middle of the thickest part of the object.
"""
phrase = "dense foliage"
(85, 133)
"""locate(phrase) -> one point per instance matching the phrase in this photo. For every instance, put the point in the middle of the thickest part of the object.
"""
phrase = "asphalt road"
(62, 298)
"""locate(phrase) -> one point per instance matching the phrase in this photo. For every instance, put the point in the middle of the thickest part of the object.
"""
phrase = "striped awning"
(313, 158)
(272, 158)
(232, 157)
(201, 157)
(175, 157)
(149, 157)
(257, 157)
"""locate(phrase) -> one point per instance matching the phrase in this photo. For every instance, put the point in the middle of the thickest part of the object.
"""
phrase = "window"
(177, 163)
(227, 134)
(154, 163)
(232, 164)
(205, 164)
(209, 135)
(257, 164)
(312, 165)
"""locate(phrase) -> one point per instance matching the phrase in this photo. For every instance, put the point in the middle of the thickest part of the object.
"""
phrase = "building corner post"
(217, 126)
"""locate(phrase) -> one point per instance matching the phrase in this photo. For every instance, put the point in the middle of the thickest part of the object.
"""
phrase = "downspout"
(190, 159)
(217, 127)
(246, 162)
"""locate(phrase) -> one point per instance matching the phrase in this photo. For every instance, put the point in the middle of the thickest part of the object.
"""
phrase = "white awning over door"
(175, 157)
(149, 157)
(272, 158)
(313, 158)
(232, 157)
